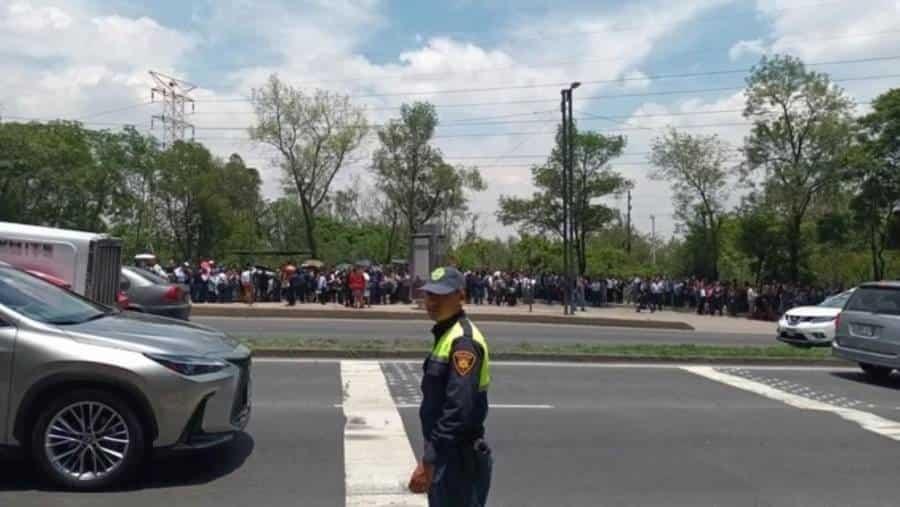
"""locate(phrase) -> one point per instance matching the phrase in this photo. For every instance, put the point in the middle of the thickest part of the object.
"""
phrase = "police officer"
(456, 467)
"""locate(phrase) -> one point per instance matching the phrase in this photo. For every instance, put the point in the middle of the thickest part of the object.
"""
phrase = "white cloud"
(744, 48)
(635, 80)
(99, 60)
(532, 53)
(836, 32)
(833, 30)
(65, 60)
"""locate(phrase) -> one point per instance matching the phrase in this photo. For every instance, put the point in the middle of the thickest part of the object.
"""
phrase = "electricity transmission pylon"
(173, 94)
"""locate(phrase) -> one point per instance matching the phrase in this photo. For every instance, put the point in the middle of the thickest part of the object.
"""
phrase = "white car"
(812, 325)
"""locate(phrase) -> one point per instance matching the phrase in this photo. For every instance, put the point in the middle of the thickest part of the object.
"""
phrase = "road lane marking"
(492, 406)
(378, 458)
(567, 364)
(866, 420)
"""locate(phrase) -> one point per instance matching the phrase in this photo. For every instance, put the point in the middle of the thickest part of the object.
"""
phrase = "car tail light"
(837, 322)
(122, 301)
(174, 293)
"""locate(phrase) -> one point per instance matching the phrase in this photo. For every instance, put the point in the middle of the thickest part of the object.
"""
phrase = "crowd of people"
(356, 286)
(766, 302)
(362, 286)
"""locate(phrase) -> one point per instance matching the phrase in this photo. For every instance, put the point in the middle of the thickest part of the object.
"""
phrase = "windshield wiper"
(75, 322)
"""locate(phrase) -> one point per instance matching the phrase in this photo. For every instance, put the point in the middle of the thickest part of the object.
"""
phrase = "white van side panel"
(55, 258)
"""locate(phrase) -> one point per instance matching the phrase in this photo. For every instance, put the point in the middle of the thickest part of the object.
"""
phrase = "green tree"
(412, 174)
(191, 202)
(593, 179)
(241, 188)
(800, 139)
(315, 136)
(136, 220)
(694, 166)
(759, 238)
(878, 162)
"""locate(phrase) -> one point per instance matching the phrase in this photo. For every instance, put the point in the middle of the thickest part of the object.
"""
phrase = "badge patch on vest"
(463, 361)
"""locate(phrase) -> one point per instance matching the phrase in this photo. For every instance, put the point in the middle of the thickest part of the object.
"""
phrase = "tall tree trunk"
(794, 240)
(309, 225)
(714, 248)
(410, 247)
(877, 257)
(392, 237)
(582, 252)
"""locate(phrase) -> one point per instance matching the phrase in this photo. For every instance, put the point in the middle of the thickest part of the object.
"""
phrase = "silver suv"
(89, 391)
(868, 329)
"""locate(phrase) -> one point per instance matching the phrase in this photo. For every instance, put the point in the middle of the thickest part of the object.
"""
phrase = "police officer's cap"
(445, 280)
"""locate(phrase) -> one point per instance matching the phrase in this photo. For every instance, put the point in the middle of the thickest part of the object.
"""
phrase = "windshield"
(883, 300)
(836, 301)
(44, 302)
(145, 275)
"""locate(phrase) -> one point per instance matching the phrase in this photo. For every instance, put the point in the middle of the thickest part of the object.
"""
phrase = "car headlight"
(189, 365)
(820, 320)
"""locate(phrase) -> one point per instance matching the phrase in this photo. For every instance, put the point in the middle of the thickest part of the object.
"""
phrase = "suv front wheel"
(87, 439)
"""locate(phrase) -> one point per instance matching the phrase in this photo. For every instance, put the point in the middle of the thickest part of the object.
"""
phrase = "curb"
(244, 312)
(545, 358)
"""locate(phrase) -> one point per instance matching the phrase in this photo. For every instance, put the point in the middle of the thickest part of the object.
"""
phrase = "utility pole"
(568, 176)
(174, 99)
(573, 273)
(564, 282)
(653, 239)
(628, 226)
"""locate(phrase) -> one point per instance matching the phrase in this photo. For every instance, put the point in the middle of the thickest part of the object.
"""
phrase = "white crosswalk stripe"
(866, 420)
(377, 454)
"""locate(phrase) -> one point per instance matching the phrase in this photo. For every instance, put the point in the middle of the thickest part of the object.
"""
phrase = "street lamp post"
(572, 265)
(564, 293)
(568, 177)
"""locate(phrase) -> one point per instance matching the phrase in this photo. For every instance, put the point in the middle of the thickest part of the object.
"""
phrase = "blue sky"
(82, 58)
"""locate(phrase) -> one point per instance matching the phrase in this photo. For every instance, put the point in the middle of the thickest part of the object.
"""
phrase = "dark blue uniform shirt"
(453, 408)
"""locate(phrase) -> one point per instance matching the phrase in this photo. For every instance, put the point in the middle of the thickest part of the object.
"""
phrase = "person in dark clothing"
(294, 280)
(457, 465)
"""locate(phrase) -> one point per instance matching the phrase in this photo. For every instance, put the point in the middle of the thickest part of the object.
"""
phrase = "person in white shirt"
(221, 281)
(656, 290)
(322, 288)
(247, 284)
(180, 275)
(751, 300)
(367, 293)
(158, 269)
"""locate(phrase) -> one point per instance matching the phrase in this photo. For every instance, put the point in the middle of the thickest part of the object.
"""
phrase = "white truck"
(89, 263)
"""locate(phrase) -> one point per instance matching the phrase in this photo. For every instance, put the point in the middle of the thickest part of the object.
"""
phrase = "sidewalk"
(540, 313)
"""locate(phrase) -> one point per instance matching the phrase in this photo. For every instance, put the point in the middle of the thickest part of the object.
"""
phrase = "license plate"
(862, 330)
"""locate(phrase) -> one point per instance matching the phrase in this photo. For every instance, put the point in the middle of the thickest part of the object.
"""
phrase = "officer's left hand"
(420, 482)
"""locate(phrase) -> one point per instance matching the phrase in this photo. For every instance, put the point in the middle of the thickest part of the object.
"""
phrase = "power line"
(524, 133)
(116, 110)
(544, 156)
(590, 98)
(690, 91)
(585, 82)
(590, 116)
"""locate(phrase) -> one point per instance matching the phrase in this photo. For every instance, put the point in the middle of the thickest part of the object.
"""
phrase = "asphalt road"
(563, 435)
(499, 333)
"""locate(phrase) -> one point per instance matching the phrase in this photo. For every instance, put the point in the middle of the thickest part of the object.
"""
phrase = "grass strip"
(682, 351)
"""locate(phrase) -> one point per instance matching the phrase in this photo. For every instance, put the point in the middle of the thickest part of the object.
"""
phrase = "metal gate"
(104, 269)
